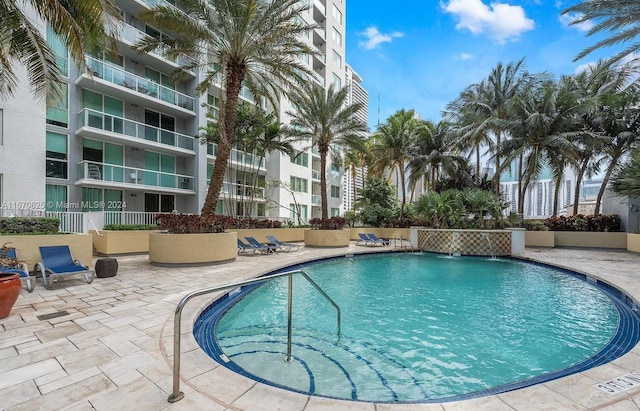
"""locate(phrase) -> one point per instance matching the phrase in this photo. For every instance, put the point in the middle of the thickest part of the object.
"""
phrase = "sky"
(420, 54)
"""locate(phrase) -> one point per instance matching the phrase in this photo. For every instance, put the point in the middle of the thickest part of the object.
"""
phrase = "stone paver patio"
(113, 350)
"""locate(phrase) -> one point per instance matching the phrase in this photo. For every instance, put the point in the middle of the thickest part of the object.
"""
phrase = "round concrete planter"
(327, 238)
(192, 249)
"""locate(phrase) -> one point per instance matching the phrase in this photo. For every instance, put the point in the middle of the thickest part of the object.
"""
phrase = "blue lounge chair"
(282, 246)
(57, 261)
(245, 248)
(258, 246)
(22, 269)
(364, 239)
(377, 241)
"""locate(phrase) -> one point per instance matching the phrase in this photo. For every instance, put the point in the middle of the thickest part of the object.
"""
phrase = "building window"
(335, 191)
(262, 210)
(56, 155)
(57, 108)
(300, 158)
(292, 212)
(60, 51)
(91, 199)
(337, 14)
(335, 212)
(337, 59)
(163, 203)
(298, 184)
(337, 37)
(56, 197)
(335, 168)
(166, 124)
(213, 106)
(337, 82)
(160, 170)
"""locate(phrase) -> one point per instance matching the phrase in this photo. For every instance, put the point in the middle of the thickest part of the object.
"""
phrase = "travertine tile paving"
(114, 348)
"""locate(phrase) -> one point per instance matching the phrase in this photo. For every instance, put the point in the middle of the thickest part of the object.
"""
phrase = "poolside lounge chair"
(245, 248)
(364, 239)
(57, 261)
(22, 269)
(282, 246)
(258, 246)
(377, 241)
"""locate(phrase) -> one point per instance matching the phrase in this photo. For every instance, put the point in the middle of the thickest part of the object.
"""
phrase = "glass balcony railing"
(241, 190)
(119, 76)
(153, 3)
(316, 200)
(239, 156)
(130, 175)
(118, 125)
(133, 35)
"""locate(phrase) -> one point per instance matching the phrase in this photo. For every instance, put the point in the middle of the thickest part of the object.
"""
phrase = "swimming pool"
(420, 328)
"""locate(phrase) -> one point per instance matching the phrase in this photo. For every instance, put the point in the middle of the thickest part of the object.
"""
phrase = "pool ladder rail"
(403, 243)
(177, 395)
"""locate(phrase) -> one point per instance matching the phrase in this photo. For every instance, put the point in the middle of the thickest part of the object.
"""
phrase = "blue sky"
(421, 54)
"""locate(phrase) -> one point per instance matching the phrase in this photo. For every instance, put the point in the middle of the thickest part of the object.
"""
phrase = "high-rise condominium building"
(124, 137)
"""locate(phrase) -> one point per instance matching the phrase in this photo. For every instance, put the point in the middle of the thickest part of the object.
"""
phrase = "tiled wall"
(465, 242)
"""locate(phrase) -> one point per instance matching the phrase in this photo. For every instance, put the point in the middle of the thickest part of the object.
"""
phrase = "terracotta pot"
(9, 291)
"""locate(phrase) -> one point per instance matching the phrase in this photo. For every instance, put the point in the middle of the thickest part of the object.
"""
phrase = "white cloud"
(566, 19)
(584, 67)
(500, 21)
(464, 56)
(373, 38)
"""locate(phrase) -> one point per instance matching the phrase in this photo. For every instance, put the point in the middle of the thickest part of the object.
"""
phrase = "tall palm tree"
(492, 102)
(392, 140)
(255, 43)
(324, 119)
(433, 152)
(543, 118)
(621, 18)
(626, 180)
(82, 26)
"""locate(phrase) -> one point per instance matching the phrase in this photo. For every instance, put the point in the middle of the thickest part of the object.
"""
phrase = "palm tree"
(325, 120)
(255, 43)
(626, 180)
(82, 26)
(619, 17)
(433, 152)
(391, 143)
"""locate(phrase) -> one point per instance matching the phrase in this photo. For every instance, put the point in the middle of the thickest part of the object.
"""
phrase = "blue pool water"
(420, 328)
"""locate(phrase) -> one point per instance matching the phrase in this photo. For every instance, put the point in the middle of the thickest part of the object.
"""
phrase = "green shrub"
(581, 222)
(29, 225)
(535, 225)
(193, 223)
(130, 227)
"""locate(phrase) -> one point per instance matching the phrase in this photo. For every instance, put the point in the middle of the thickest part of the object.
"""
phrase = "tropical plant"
(441, 210)
(621, 18)
(626, 181)
(391, 143)
(252, 43)
(325, 120)
(376, 203)
(81, 25)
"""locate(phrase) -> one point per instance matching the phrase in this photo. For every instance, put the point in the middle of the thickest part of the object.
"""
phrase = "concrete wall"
(633, 242)
(121, 242)
(590, 239)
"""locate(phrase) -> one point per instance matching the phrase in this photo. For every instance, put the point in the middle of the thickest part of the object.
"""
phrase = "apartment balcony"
(106, 127)
(115, 81)
(131, 36)
(240, 159)
(319, 11)
(315, 175)
(316, 200)
(241, 191)
(91, 173)
(319, 35)
(319, 59)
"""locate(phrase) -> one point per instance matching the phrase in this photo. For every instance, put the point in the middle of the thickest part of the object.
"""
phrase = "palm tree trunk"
(497, 175)
(478, 162)
(576, 195)
(234, 83)
(354, 174)
(323, 180)
(556, 194)
(520, 194)
(404, 194)
(603, 187)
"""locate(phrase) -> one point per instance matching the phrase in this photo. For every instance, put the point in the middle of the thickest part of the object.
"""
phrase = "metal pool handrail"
(177, 395)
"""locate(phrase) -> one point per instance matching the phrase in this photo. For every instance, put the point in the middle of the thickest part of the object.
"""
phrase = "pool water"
(415, 328)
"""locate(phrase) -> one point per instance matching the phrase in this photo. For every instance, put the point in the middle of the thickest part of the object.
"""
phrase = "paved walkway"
(112, 350)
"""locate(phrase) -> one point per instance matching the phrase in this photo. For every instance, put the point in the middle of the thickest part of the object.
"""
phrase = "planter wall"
(192, 249)
(590, 239)
(327, 238)
(121, 242)
(539, 239)
(633, 242)
(81, 246)
(286, 235)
